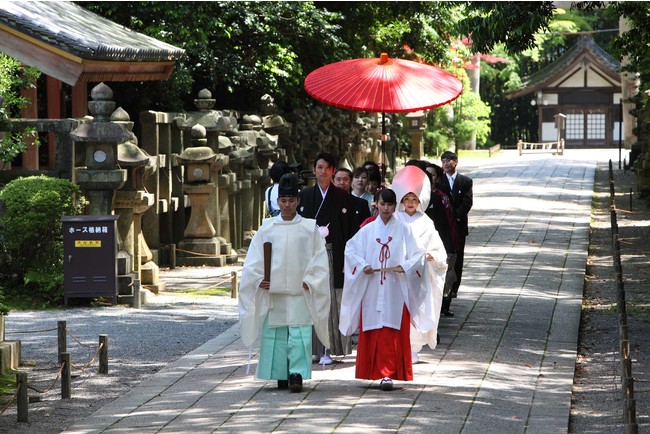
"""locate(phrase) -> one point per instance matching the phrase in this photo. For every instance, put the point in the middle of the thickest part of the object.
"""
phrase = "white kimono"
(298, 255)
(428, 239)
(381, 295)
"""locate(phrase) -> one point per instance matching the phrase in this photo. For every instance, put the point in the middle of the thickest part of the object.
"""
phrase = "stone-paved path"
(505, 362)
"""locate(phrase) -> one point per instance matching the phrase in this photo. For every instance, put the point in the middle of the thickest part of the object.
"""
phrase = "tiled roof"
(75, 30)
(585, 44)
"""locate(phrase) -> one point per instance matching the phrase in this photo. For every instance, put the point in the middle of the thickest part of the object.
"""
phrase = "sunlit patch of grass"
(28, 303)
(7, 387)
(199, 292)
(476, 153)
(462, 154)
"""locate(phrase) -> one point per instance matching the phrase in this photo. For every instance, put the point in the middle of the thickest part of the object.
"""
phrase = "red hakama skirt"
(385, 352)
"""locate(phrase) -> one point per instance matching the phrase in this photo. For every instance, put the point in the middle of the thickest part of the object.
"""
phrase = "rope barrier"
(58, 375)
(627, 380)
(216, 285)
(84, 367)
(78, 341)
(209, 255)
(28, 331)
(65, 385)
(224, 276)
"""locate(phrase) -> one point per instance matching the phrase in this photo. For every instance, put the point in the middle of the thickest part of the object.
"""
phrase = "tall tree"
(13, 78)
(634, 44)
(516, 119)
(238, 50)
(512, 23)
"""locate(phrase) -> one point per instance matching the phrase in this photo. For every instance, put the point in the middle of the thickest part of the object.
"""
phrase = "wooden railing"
(555, 147)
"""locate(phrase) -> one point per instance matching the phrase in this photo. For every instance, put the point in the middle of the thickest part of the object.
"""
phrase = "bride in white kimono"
(413, 191)
(382, 295)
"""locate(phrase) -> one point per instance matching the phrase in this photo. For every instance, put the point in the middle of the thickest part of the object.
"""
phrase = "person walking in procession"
(442, 213)
(285, 291)
(413, 189)
(383, 294)
(460, 192)
(334, 212)
(343, 180)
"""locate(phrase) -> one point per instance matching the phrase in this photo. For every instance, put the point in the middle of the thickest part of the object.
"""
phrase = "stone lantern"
(101, 175)
(217, 124)
(131, 202)
(416, 131)
(200, 247)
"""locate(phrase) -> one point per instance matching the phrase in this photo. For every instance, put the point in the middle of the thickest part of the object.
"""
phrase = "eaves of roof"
(585, 47)
(66, 26)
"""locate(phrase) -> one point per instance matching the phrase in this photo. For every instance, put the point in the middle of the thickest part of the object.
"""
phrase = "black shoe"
(446, 302)
(437, 338)
(448, 313)
(295, 382)
(283, 384)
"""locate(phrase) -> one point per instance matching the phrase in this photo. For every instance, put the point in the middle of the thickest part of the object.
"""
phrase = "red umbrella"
(382, 86)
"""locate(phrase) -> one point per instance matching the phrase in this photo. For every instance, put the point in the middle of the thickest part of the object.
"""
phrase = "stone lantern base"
(150, 275)
(9, 350)
(210, 247)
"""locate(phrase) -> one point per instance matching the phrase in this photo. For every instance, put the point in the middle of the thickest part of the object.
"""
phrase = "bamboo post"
(103, 354)
(630, 198)
(136, 294)
(22, 401)
(62, 331)
(234, 288)
(625, 342)
(65, 376)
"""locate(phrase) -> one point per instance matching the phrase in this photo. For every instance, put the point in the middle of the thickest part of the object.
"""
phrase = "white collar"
(323, 193)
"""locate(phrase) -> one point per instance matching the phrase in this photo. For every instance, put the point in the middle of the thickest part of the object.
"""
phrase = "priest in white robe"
(413, 191)
(280, 309)
(382, 295)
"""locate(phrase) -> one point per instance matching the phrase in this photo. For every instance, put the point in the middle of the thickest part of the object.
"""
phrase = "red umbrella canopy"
(382, 85)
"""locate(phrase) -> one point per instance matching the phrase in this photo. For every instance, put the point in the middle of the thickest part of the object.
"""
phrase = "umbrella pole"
(383, 147)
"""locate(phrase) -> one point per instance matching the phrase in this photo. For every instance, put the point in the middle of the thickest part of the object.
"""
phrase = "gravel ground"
(598, 404)
(140, 343)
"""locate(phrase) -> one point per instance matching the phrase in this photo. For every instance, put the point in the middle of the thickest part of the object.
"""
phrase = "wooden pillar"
(79, 99)
(54, 111)
(30, 156)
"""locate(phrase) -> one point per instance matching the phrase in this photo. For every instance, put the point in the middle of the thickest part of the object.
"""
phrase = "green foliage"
(30, 230)
(633, 45)
(13, 78)
(438, 135)
(472, 117)
(7, 387)
(237, 50)
(458, 121)
(243, 50)
(514, 119)
(396, 28)
(512, 23)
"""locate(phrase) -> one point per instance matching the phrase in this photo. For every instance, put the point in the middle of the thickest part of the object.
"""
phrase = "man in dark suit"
(460, 192)
(334, 212)
(343, 180)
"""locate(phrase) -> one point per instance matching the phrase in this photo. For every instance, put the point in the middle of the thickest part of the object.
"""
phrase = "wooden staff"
(267, 261)
(379, 270)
